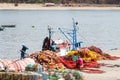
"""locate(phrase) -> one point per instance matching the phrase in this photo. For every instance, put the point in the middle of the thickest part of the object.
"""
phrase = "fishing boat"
(2, 28)
(63, 46)
(9, 26)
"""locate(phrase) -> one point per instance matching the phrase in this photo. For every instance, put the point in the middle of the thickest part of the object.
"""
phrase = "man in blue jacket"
(23, 51)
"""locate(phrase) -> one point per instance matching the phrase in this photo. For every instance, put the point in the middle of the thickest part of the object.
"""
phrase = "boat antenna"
(50, 31)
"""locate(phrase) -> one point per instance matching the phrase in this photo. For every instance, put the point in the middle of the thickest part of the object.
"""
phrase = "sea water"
(100, 28)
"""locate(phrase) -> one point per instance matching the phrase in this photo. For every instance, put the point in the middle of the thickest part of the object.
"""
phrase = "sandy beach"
(111, 71)
(6, 6)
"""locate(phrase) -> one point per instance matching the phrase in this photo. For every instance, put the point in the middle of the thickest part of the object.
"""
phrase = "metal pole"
(65, 35)
(50, 32)
(74, 35)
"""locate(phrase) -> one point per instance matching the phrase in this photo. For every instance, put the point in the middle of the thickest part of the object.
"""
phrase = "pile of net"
(48, 59)
(90, 55)
(15, 65)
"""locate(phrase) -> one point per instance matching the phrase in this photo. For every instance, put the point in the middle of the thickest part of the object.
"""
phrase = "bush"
(34, 1)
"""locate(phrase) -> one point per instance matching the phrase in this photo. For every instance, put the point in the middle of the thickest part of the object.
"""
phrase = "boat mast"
(50, 31)
(74, 34)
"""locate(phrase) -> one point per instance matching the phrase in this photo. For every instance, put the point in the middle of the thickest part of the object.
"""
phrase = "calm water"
(98, 28)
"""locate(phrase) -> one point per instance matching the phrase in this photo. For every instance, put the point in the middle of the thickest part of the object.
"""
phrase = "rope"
(83, 37)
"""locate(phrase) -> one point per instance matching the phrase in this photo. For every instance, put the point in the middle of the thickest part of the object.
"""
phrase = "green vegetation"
(63, 1)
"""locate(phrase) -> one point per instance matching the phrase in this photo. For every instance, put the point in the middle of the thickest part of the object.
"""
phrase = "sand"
(6, 6)
(111, 73)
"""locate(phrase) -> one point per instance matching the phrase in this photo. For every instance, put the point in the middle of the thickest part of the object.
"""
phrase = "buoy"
(33, 26)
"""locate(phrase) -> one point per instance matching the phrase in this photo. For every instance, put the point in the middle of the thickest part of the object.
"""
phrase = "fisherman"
(79, 63)
(23, 51)
(75, 57)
